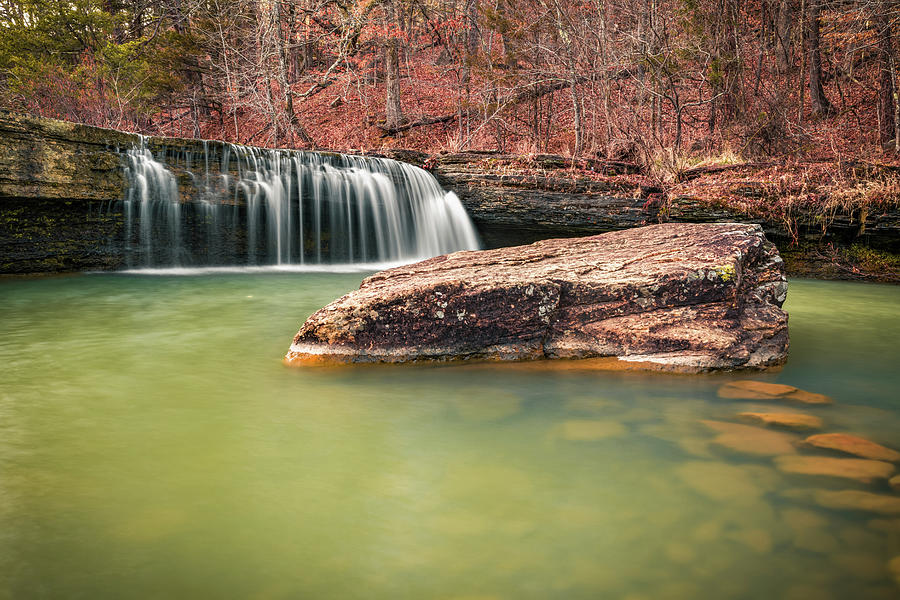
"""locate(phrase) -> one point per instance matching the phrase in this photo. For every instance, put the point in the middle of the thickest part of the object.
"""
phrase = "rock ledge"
(675, 297)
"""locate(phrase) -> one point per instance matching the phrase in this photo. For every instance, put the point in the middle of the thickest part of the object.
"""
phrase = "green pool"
(152, 445)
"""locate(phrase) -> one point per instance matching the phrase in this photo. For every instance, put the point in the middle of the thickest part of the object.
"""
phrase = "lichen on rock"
(655, 296)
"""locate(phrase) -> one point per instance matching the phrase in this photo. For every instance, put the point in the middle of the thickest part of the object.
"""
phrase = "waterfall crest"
(243, 206)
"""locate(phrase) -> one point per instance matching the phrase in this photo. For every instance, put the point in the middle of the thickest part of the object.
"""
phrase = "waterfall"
(152, 198)
(240, 205)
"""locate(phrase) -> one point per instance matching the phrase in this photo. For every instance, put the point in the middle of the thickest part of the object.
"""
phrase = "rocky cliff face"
(556, 194)
(57, 160)
(60, 187)
(541, 194)
(60, 184)
(675, 297)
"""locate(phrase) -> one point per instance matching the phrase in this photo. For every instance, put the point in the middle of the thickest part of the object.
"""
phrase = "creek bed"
(152, 445)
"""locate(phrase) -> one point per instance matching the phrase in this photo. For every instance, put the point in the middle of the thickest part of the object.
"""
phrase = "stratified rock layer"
(674, 297)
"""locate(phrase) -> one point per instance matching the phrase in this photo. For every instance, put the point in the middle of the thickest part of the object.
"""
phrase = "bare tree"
(393, 110)
(818, 100)
(887, 94)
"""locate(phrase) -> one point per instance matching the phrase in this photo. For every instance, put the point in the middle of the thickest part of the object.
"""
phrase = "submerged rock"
(758, 540)
(865, 565)
(720, 481)
(760, 390)
(747, 439)
(810, 531)
(795, 421)
(672, 297)
(891, 526)
(858, 469)
(586, 430)
(894, 568)
(851, 444)
(471, 407)
(858, 500)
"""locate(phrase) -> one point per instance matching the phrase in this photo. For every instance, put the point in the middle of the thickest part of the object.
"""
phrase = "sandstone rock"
(681, 553)
(798, 494)
(591, 404)
(864, 471)
(891, 526)
(508, 196)
(685, 437)
(473, 408)
(747, 439)
(719, 481)
(708, 531)
(867, 566)
(587, 430)
(58, 160)
(801, 519)
(855, 537)
(758, 540)
(894, 568)
(639, 414)
(810, 531)
(895, 483)
(795, 421)
(549, 196)
(672, 297)
(765, 477)
(851, 444)
(804, 591)
(760, 390)
(858, 500)
(695, 447)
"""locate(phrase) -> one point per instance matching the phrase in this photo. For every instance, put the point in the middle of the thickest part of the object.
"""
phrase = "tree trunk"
(472, 40)
(137, 21)
(393, 112)
(473, 36)
(886, 90)
(731, 60)
(819, 102)
(725, 80)
(606, 87)
(783, 18)
(577, 117)
(281, 41)
(293, 49)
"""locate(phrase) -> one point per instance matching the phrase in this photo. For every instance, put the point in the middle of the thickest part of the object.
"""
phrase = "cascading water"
(152, 198)
(285, 207)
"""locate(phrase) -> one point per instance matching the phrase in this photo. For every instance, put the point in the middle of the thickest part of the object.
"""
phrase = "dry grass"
(799, 195)
(668, 166)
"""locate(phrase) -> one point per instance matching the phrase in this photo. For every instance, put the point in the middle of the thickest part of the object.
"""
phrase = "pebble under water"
(152, 445)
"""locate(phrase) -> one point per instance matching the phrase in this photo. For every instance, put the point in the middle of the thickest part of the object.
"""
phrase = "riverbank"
(61, 183)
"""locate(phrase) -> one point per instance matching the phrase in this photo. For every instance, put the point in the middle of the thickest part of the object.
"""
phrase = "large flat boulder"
(683, 297)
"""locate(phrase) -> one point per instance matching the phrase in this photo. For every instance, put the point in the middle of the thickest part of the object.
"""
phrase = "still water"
(152, 445)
